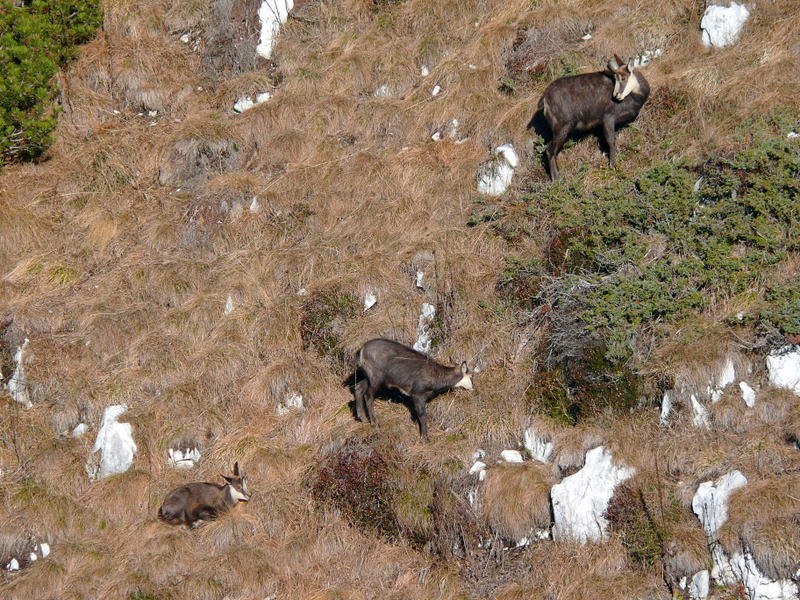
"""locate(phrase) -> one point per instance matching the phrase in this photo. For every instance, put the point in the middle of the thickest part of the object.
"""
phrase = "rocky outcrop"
(581, 500)
(710, 504)
(114, 448)
(722, 25)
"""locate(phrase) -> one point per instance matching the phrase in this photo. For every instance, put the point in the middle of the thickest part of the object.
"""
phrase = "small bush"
(324, 316)
(628, 514)
(35, 40)
(520, 281)
(356, 480)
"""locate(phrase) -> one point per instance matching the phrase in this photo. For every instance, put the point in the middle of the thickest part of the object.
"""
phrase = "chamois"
(203, 501)
(608, 98)
(386, 363)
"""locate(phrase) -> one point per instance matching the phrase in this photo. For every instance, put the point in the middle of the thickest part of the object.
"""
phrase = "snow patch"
(437, 89)
(537, 446)
(783, 368)
(419, 280)
(480, 468)
(424, 71)
(183, 459)
(722, 25)
(748, 394)
(254, 205)
(273, 14)
(13, 565)
(79, 430)
(511, 456)
(494, 176)
(228, 306)
(581, 500)
(18, 384)
(114, 443)
(723, 380)
(44, 549)
(757, 585)
(423, 341)
(646, 57)
(792, 135)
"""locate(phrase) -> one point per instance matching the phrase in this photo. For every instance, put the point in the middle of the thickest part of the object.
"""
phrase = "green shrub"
(322, 323)
(35, 40)
(658, 247)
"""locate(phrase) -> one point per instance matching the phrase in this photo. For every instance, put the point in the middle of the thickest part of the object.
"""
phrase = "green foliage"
(519, 281)
(35, 40)
(654, 248)
(783, 309)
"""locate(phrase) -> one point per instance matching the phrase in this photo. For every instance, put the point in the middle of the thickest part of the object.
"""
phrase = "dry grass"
(118, 253)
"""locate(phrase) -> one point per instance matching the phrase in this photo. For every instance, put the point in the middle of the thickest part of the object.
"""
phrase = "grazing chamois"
(606, 99)
(385, 363)
(203, 501)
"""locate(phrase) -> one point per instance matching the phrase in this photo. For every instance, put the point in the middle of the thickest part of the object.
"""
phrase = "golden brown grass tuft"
(515, 500)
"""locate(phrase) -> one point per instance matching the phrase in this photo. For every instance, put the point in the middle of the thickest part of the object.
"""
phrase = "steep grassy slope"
(119, 252)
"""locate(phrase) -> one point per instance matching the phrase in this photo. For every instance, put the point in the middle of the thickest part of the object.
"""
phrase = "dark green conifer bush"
(36, 39)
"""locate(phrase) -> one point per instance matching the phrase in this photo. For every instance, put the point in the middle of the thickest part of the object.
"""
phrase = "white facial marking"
(237, 495)
(465, 382)
(632, 85)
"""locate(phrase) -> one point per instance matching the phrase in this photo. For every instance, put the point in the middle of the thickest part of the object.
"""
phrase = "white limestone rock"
(383, 91)
(480, 468)
(44, 549)
(757, 585)
(12, 565)
(700, 416)
(273, 14)
(710, 504)
(424, 71)
(228, 306)
(419, 280)
(537, 446)
(79, 430)
(722, 380)
(511, 456)
(370, 300)
(722, 25)
(247, 102)
(666, 409)
(437, 89)
(495, 176)
(646, 57)
(185, 458)
(423, 341)
(255, 206)
(293, 401)
(18, 384)
(783, 368)
(114, 443)
(581, 500)
(699, 585)
(748, 394)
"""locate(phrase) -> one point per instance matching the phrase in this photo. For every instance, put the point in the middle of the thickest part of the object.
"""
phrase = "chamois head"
(466, 378)
(624, 80)
(238, 485)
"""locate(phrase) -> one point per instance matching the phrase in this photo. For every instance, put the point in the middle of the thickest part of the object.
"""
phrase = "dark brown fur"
(584, 102)
(385, 363)
(202, 501)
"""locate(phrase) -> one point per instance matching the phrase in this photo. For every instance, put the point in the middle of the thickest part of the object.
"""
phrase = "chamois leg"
(422, 419)
(610, 133)
(369, 397)
(554, 147)
(358, 391)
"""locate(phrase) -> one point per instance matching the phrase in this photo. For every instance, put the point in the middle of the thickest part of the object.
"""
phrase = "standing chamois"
(604, 99)
(203, 501)
(385, 363)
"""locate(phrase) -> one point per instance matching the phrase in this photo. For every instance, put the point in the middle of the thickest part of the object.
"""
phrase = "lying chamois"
(607, 98)
(203, 501)
(385, 363)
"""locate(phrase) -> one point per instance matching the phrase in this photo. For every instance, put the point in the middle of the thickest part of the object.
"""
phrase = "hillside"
(209, 270)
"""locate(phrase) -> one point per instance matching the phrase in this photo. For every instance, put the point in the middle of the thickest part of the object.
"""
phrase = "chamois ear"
(236, 469)
(612, 66)
(619, 61)
(464, 368)
(630, 66)
(226, 478)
